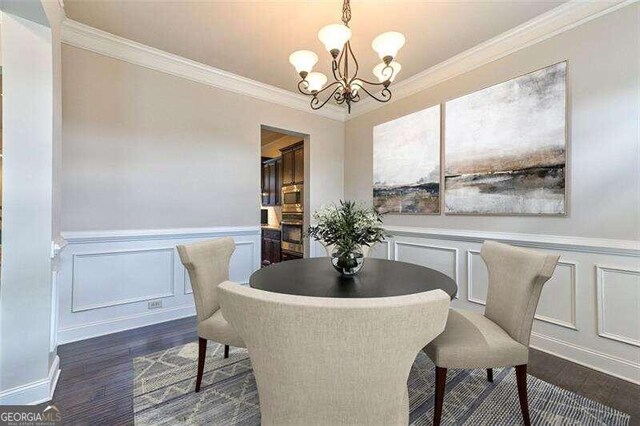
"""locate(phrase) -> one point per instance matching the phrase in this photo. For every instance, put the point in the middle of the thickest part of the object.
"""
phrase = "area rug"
(164, 384)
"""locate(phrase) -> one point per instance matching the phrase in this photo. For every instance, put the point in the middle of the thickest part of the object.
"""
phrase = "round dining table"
(378, 278)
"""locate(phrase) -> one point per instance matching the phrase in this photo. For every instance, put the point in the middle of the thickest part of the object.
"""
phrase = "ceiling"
(268, 136)
(254, 38)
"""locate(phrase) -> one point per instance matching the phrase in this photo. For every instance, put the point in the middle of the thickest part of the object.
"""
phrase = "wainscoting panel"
(101, 280)
(619, 303)
(588, 310)
(443, 259)
(113, 281)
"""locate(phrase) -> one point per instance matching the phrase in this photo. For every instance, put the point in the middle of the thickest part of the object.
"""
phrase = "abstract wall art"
(406, 164)
(505, 147)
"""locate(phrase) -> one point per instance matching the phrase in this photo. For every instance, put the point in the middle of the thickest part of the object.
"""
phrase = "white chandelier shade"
(315, 81)
(303, 60)
(388, 44)
(334, 37)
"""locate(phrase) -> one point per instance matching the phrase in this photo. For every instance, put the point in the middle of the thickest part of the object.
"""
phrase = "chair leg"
(490, 375)
(226, 351)
(202, 352)
(441, 381)
(521, 379)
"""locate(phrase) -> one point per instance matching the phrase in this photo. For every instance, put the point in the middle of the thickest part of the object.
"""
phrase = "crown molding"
(558, 20)
(83, 36)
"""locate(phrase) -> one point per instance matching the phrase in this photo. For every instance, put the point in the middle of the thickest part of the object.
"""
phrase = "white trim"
(388, 243)
(451, 249)
(78, 237)
(577, 244)
(86, 37)
(556, 21)
(35, 392)
(109, 326)
(600, 269)
(574, 292)
(611, 365)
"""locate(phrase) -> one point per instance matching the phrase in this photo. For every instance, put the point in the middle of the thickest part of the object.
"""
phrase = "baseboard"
(613, 366)
(35, 392)
(101, 328)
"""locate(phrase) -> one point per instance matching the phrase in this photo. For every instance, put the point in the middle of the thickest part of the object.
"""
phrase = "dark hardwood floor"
(95, 386)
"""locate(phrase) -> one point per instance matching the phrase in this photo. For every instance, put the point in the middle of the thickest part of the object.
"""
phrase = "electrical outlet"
(155, 304)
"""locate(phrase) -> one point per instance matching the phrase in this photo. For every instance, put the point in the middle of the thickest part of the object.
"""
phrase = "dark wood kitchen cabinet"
(271, 252)
(271, 181)
(293, 164)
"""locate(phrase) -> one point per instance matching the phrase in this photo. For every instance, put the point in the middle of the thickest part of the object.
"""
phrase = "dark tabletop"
(378, 278)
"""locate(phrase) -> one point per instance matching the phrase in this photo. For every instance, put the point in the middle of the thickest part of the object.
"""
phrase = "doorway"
(283, 194)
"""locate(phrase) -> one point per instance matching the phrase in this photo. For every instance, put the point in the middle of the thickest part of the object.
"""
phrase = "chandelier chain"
(346, 12)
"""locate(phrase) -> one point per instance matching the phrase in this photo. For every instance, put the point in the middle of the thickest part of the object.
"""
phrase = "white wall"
(589, 311)
(147, 152)
(603, 146)
(28, 366)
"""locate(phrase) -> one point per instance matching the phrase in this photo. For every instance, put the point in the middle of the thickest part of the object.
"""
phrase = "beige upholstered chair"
(208, 265)
(500, 337)
(327, 361)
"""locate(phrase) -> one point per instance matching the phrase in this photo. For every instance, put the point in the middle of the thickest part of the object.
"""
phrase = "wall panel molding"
(146, 267)
(76, 258)
(452, 250)
(556, 242)
(77, 237)
(85, 37)
(601, 283)
(556, 21)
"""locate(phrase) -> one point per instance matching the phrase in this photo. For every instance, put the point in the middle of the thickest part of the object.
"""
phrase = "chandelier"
(347, 86)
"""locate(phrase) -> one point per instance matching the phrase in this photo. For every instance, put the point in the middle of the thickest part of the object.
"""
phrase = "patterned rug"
(164, 384)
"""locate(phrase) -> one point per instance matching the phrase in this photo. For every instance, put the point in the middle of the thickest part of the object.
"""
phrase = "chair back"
(207, 263)
(516, 277)
(330, 361)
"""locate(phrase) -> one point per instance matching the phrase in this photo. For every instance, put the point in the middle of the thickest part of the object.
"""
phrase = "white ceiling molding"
(558, 20)
(89, 38)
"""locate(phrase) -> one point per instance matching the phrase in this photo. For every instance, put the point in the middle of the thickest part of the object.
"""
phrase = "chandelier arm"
(355, 61)
(302, 84)
(306, 91)
(315, 101)
(339, 65)
(386, 94)
(334, 68)
(371, 82)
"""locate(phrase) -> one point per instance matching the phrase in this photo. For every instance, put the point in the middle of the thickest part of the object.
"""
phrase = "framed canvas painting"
(406, 164)
(505, 147)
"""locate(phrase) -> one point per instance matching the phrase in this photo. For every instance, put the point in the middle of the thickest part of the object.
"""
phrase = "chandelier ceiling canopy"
(347, 86)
